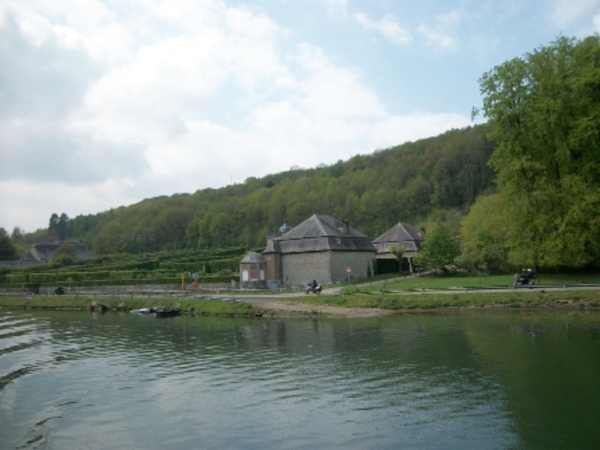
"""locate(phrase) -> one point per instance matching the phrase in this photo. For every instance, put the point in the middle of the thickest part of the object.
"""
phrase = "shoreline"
(353, 306)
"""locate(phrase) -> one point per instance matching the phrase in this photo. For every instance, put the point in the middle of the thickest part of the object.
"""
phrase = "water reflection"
(456, 380)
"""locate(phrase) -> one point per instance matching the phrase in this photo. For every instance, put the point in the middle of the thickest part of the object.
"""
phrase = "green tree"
(544, 113)
(398, 251)
(485, 235)
(8, 252)
(440, 249)
(66, 248)
(58, 226)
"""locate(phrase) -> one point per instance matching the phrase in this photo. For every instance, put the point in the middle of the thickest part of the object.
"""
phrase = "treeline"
(435, 177)
(543, 111)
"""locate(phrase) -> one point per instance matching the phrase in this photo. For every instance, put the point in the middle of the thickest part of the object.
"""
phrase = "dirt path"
(277, 308)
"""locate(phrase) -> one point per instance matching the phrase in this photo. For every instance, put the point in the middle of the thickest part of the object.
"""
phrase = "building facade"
(405, 236)
(321, 248)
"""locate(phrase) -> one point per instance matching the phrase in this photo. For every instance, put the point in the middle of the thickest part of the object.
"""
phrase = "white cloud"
(105, 104)
(387, 26)
(443, 33)
(565, 12)
(335, 8)
(596, 22)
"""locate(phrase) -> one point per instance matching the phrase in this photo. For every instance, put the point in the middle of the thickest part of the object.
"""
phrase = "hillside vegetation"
(440, 176)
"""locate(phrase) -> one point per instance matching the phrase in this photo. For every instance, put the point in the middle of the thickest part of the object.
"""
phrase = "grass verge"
(573, 299)
(83, 303)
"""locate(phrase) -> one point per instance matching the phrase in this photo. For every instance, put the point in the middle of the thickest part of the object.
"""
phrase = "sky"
(104, 103)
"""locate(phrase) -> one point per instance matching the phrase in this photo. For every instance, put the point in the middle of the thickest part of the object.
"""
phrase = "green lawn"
(449, 282)
(412, 301)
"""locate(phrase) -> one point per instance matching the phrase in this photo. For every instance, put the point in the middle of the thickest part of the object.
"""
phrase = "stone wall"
(301, 268)
(361, 264)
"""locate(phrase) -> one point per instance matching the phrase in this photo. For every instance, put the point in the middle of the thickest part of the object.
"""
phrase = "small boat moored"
(157, 311)
(168, 312)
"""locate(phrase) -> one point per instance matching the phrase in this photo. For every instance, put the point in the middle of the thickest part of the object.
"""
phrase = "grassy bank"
(520, 299)
(85, 303)
(463, 282)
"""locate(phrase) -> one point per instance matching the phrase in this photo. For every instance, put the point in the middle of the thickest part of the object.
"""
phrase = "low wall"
(138, 289)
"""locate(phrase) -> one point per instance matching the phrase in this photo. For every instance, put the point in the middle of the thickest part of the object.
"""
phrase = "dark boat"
(168, 312)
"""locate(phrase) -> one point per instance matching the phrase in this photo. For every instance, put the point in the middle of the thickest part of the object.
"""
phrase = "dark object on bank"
(168, 312)
(157, 311)
(527, 276)
(59, 290)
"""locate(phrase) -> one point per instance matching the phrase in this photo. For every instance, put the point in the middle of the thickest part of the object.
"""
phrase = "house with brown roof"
(320, 248)
(402, 235)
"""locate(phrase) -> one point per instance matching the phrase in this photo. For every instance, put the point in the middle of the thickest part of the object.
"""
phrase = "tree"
(8, 252)
(57, 226)
(67, 249)
(440, 249)
(398, 251)
(543, 110)
(53, 226)
(485, 235)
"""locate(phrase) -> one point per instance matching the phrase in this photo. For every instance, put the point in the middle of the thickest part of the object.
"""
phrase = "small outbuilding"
(252, 271)
(401, 235)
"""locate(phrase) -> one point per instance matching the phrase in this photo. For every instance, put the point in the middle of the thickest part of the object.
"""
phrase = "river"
(450, 380)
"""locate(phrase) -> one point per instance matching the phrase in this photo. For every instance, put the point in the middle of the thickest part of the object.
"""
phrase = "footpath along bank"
(348, 302)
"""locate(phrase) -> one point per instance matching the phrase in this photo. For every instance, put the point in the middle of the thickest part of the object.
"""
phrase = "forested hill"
(438, 177)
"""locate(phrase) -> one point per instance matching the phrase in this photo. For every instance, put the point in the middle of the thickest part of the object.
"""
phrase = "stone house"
(320, 248)
(403, 235)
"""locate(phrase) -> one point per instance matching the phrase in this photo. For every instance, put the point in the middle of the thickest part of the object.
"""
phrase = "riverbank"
(332, 304)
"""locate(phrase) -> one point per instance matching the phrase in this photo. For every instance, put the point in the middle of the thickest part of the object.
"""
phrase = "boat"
(143, 311)
(157, 311)
(168, 312)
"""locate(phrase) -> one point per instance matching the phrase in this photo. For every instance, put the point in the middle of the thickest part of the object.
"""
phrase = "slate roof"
(44, 252)
(400, 234)
(320, 232)
(252, 258)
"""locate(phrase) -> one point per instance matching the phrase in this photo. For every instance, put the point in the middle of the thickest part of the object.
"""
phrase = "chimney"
(346, 228)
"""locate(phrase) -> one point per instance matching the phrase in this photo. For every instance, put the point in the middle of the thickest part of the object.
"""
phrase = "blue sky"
(108, 102)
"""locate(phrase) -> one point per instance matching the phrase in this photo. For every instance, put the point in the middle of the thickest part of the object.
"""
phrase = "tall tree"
(544, 110)
(8, 251)
(57, 226)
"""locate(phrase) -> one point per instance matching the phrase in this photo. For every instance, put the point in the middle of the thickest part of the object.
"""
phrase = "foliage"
(544, 112)
(212, 266)
(57, 226)
(8, 251)
(440, 249)
(485, 235)
(398, 251)
(63, 260)
(406, 183)
(65, 249)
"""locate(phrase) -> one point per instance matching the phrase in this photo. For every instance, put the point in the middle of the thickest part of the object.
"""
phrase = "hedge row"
(212, 266)
(104, 275)
(176, 281)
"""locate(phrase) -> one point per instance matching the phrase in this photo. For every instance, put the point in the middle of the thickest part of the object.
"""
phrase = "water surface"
(451, 380)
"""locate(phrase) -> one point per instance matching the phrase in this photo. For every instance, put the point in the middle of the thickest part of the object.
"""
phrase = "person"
(314, 285)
